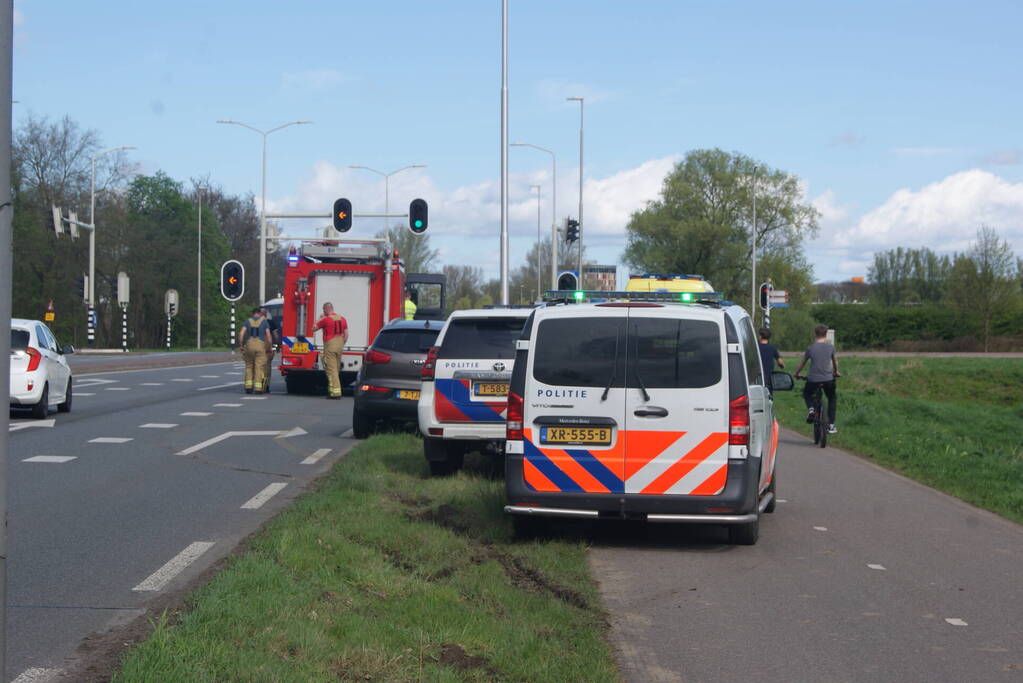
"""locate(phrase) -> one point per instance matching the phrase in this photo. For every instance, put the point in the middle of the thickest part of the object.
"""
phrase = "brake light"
(377, 357)
(738, 421)
(430, 364)
(370, 387)
(34, 358)
(513, 425)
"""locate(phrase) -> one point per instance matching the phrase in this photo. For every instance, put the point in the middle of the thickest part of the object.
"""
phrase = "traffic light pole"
(6, 264)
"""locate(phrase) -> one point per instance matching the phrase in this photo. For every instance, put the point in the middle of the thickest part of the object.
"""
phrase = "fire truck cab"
(366, 282)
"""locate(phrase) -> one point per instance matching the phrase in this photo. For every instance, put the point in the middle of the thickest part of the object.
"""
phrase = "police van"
(464, 393)
(642, 406)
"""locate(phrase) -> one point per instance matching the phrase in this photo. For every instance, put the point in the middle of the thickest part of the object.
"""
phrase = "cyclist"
(823, 371)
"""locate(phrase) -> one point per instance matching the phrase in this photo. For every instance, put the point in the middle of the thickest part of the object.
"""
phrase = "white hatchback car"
(40, 374)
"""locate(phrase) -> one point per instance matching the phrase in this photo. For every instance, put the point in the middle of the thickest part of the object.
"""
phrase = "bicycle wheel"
(817, 432)
(822, 427)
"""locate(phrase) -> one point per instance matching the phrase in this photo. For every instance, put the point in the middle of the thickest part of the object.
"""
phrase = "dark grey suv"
(387, 388)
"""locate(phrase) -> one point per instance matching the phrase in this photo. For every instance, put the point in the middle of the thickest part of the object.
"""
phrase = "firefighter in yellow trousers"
(335, 336)
(254, 339)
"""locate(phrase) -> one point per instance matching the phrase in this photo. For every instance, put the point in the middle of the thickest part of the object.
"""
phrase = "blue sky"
(901, 118)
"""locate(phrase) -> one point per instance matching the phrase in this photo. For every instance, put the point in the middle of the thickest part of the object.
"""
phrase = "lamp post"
(198, 285)
(262, 211)
(538, 250)
(92, 243)
(504, 152)
(753, 251)
(581, 102)
(387, 189)
(554, 209)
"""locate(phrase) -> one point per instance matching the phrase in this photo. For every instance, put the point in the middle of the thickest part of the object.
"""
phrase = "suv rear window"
(481, 338)
(20, 339)
(406, 341)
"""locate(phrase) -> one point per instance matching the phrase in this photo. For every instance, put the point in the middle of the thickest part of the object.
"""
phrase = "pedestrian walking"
(254, 338)
(335, 336)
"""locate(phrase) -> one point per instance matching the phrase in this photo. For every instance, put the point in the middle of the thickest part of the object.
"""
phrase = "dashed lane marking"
(28, 424)
(253, 398)
(151, 384)
(111, 439)
(162, 576)
(232, 373)
(955, 621)
(227, 405)
(196, 414)
(50, 458)
(209, 376)
(117, 388)
(820, 528)
(260, 498)
(181, 379)
(783, 500)
(315, 457)
(79, 394)
(158, 425)
(879, 567)
(220, 386)
(37, 675)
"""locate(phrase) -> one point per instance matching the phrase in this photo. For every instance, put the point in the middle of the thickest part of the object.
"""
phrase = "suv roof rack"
(577, 296)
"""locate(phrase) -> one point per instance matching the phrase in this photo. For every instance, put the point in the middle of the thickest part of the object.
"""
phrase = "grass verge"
(955, 424)
(385, 574)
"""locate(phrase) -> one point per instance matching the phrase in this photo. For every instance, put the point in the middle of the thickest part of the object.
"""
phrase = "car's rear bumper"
(736, 504)
(461, 431)
(21, 395)
(378, 404)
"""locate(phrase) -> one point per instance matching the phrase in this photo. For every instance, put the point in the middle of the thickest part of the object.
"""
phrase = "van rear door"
(676, 403)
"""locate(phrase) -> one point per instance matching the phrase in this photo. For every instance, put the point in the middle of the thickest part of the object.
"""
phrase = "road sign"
(170, 303)
(232, 280)
(58, 222)
(123, 283)
(779, 294)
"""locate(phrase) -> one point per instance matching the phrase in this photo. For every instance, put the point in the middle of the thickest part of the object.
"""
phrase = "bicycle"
(820, 422)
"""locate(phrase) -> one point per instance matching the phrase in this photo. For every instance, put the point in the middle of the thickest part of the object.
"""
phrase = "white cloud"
(311, 79)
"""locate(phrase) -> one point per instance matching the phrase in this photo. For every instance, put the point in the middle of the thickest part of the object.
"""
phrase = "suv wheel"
(362, 425)
(744, 534)
(443, 458)
(42, 409)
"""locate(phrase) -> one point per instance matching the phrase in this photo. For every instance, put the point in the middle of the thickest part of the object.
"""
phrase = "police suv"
(464, 393)
(645, 406)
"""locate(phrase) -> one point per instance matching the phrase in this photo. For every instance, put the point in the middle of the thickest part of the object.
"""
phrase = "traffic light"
(80, 285)
(342, 215)
(571, 230)
(232, 280)
(765, 294)
(417, 216)
(172, 309)
(567, 281)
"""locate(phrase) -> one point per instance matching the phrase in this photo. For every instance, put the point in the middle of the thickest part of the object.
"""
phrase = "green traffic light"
(419, 224)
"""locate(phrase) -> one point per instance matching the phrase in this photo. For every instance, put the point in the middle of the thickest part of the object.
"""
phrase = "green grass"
(386, 574)
(952, 423)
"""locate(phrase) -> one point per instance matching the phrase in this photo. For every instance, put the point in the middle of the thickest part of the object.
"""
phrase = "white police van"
(464, 394)
(641, 407)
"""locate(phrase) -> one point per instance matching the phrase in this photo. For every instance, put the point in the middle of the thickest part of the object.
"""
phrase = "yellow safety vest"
(410, 309)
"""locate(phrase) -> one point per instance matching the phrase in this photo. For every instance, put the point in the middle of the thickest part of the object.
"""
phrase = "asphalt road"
(97, 528)
(860, 575)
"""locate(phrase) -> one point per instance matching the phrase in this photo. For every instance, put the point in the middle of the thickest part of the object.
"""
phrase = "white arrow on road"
(93, 382)
(297, 431)
(18, 426)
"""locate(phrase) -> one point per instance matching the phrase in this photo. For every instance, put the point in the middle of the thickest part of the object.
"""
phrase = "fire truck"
(366, 281)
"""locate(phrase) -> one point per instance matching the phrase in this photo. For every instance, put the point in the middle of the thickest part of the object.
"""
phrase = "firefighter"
(335, 336)
(410, 306)
(254, 338)
(275, 341)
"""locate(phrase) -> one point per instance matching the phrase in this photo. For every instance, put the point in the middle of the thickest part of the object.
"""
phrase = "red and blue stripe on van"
(453, 403)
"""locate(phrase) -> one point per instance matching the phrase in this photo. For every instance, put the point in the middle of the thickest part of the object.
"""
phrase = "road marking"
(79, 394)
(50, 458)
(18, 426)
(152, 384)
(879, 567)
(315, 457)
(196, 414)
(87, 373)
(162, 576)
(266, 494)
(783, 500)
(232, 373)
(158, 425)
(180, 379)
(956, 622)
(219, 386)
(111, 439)
(820, 528)
(253, 398)
(297, 431)
(227, 405)
(92, 382)
(37, 675)
(348, 434)
(117, 389)
(209, 376)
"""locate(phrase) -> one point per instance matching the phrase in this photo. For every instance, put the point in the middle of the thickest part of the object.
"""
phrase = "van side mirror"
(782, 381)
(67, 349)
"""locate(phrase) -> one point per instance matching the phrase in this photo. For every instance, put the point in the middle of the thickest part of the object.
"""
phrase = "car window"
(20, 339)
(752, 352)
(481, 338)
(41, 339)
(673, 353)
(51, 339)
(406, 341)
(580, 352)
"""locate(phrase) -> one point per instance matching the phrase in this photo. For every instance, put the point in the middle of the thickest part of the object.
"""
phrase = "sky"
(901, 118)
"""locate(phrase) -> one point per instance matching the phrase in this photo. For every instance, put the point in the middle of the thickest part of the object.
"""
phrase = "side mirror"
(67, 349)
(782, 381)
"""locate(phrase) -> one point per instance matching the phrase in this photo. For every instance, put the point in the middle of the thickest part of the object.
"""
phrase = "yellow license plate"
(410, 394)
(300, 347)
(580, 435)
(491, 388)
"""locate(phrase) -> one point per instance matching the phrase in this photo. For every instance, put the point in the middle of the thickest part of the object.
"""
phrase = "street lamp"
(387, 189)
(554, 209)
(581, 104)
(538, 250)
(262, 212)
(92, 242)
(198, 286)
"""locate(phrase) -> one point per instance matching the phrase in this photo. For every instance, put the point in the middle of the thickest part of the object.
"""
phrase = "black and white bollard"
(124, 328)
(90, 323)
(168, 332)
(230, 341)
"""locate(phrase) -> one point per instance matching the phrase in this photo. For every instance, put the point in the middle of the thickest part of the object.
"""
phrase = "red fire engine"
(366, 281)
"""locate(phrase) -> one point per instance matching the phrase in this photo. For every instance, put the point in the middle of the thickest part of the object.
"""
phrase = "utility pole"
(6, 263)
(504, 152)
(581, 101)
(539, 244)
(198, 285)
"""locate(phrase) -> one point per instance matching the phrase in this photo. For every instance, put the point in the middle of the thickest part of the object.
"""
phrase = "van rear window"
(674, 353)
(406, 341)
(580, 352)
(481, 338)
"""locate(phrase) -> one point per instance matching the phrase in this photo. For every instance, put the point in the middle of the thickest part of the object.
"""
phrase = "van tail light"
(738, 421)
(34, 358)
(430, 364)
(376, 357)
(513, 425)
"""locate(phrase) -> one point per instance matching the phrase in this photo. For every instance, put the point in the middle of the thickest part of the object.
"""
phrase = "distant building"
(600, 277)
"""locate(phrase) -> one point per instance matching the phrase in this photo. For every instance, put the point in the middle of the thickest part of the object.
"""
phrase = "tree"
(982, 281)
(414, 249)
(463, 285)
(900, 276)
(703, 221)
